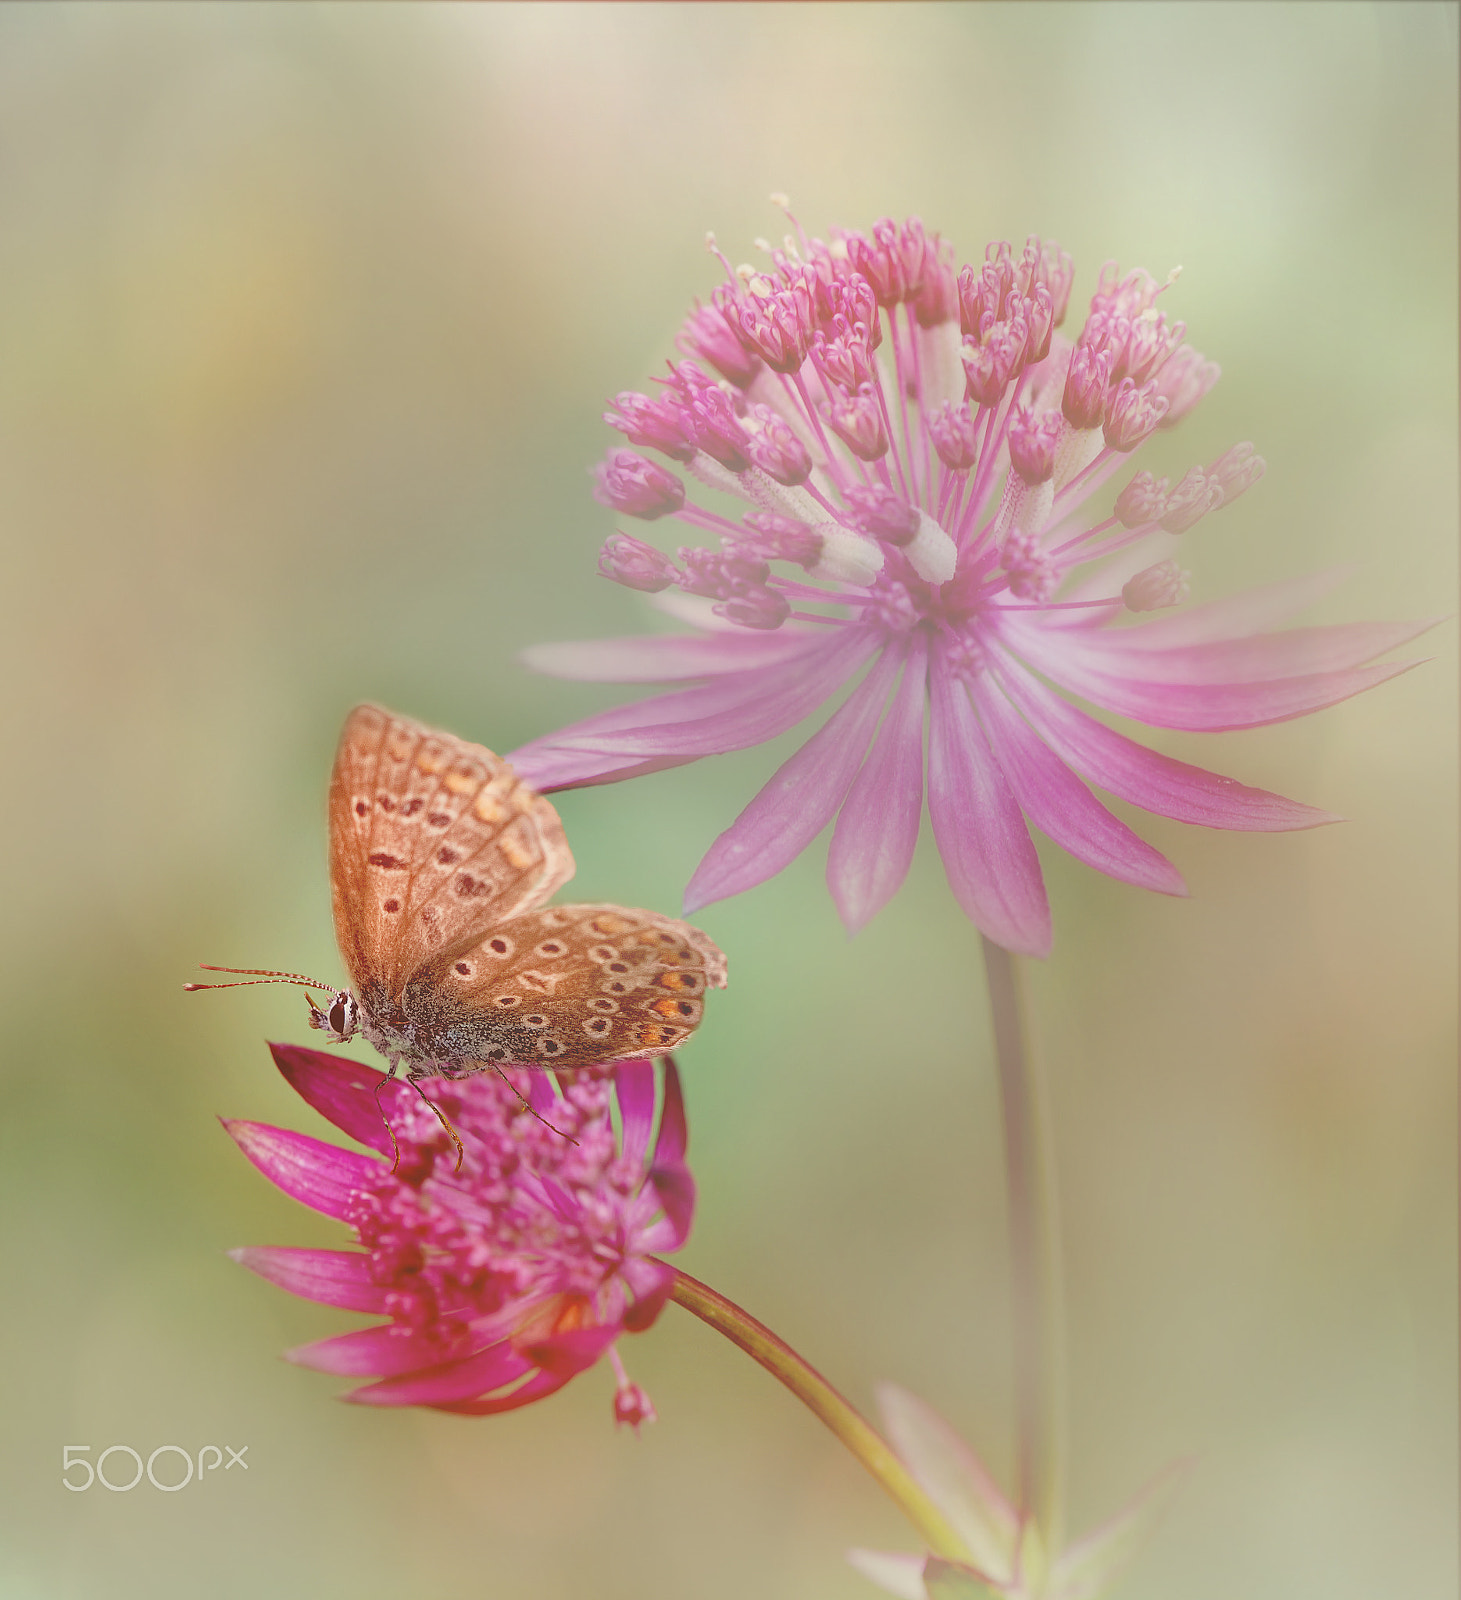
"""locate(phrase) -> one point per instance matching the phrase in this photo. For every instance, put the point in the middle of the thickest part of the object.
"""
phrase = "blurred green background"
(309, 316)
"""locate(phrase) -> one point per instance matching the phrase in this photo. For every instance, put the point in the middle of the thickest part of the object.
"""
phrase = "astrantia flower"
(501, 1281)
(1002, 1552)
(918, 449)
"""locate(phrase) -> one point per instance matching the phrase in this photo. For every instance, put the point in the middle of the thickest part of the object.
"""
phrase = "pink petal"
(538, 1387)
(634, 1089)
(338, 1278)
(651, 1283)
(1261, 658)
(1240, 615)
(991, 864)
(453, 1380)
(322, 1176)
(341, 1090)
(550, 769)
(1154, 782)
(1212, 707)
(666, 657)
(379, 1352)
(798, 802)
(877, 827)
(574, 1351)
(1061, 806)
(736, 710)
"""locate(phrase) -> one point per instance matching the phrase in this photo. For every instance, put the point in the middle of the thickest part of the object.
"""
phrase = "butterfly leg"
(414, 1078)
(390, 1131)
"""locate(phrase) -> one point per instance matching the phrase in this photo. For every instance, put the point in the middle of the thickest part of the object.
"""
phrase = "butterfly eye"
(550, 947)
(604, 1004)
(535, 1021)
(506, 1002)
(617, 966)
(499, 946)
(464, 968)
(614, 986)
(597, 1026)
(603, 952)
(551, 1047)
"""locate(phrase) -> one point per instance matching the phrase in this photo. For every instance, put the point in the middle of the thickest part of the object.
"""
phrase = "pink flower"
(501, 1281)
(923, 445)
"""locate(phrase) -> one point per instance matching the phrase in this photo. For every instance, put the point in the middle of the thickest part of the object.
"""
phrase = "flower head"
(501, 1281)
(925, 446)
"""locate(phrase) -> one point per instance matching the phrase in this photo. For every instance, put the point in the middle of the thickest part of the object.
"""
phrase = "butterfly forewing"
(433, 842)
(565, 986)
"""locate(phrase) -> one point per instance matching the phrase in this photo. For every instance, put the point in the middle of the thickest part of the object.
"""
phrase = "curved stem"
(813, 1390)
(1037, 1301)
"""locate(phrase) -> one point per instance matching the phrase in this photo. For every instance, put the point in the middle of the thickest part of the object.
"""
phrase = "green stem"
(1037, 1309)
(813, 1390)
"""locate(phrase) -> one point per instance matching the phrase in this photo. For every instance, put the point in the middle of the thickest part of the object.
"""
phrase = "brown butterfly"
(441, 859)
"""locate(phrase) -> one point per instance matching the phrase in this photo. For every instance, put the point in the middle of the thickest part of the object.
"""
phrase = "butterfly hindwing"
(433, 842)
(564, 986)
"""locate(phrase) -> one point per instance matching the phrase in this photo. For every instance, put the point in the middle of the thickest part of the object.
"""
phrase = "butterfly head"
(339, 1021)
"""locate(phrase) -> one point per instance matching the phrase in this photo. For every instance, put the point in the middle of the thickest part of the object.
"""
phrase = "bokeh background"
(309, 315)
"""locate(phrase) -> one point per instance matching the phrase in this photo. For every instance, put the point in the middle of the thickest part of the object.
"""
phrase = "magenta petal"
(991, 864)
(736, 710)
(1061, 806)
(320, 1175)
(634, 1089)
(877, 827)
(651, 1283)
(332, 1277)
(674, 1129)
(378, 1352)
(664, 657)
(341, 1090)
(564, 1354)
(798, 802)
(1265, 657)
(1211, 707)
(538, 1387)
(1154, 782)
(453, 1380)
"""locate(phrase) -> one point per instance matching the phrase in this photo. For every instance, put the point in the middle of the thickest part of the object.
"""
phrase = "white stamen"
(846, 557)
(940, 366)
(932, 554)
(1077, 449)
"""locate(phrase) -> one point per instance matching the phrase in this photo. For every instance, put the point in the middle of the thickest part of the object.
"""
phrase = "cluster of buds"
(1008, 312)
(734, 576)
(1150, 502)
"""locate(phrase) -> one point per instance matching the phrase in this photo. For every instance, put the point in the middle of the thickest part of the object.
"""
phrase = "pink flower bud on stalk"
(960, 616)
(1132, 413)
(627, 482)
(1155, 588)
(635, 564)
(1032, 442)
(1143, 500)
(708, 336)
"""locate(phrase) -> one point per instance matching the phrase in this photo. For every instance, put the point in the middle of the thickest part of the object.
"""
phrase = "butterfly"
(441, 863)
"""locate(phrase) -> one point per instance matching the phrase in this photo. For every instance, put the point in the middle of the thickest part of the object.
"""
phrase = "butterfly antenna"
(526, 1102)
(259, 975)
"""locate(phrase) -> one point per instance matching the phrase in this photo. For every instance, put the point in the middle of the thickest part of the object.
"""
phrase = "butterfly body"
(441, 860)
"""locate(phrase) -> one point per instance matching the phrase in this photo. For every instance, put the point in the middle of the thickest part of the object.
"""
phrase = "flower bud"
(1191, 500)
(775, 447)
(628, 482)
(1084, 400)
(778, 538)
(708, 336)
(1132, 413)
(1155, 588)
(881, 514)
(1236, 471)
(1143, 500)
(651, 424)
(1032, 442)
(1184, 377)
(857, 419)
(635, 564)
(951, 427)
(633, 1405)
